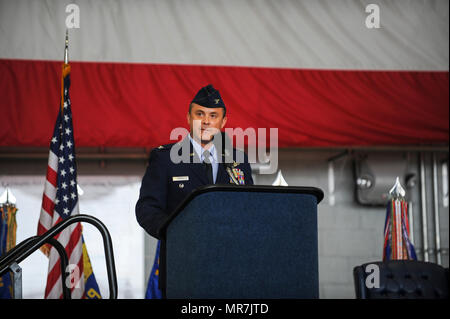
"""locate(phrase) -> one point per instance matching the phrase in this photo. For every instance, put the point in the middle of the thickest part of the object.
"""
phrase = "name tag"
(180, 178)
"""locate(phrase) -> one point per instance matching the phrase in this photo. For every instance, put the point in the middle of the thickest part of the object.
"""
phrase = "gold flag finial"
(66, 48)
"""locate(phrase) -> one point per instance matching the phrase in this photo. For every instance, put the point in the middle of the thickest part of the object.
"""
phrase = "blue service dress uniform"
(166, 184)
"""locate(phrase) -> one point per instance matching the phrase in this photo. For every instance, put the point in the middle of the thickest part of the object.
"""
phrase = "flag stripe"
(77, 289)
(41, 229)
(50, 190)
(74, 251)
(309, 107)
(52, 176)
(66, 239)
(323, 34)
(313, 69)
(45, 221)
(47, 205)
(53, 161)
(56, 290)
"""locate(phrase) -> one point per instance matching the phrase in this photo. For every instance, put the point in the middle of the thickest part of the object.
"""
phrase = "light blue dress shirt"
(213, 155)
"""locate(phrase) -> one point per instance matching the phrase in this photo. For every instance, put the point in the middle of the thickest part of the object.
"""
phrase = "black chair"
(401, 279)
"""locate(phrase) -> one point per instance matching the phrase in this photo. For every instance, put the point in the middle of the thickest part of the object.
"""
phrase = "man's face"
(204, 122)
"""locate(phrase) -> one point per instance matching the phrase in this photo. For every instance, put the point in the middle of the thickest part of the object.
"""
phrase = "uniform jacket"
(165, 184)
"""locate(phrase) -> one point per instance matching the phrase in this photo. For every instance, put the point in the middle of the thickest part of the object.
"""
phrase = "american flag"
(60, 201)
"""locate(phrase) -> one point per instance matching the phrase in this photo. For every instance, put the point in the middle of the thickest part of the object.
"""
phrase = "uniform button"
(181, 185)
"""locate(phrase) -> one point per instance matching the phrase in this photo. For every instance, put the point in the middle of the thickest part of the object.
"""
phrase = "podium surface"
(242, 242)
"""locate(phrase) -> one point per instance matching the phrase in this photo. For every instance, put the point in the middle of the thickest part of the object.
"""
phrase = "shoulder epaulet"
(164, 147)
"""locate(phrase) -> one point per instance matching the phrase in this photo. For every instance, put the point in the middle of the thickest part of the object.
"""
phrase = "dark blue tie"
(208, 167)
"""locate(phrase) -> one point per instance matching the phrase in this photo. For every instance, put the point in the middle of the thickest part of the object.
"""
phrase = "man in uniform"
(167, 181)
(166, 184)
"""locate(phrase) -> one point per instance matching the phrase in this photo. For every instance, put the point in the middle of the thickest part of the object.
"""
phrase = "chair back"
(401, 279)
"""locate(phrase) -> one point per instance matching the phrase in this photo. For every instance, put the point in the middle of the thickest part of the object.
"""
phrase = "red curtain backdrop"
(138, 105)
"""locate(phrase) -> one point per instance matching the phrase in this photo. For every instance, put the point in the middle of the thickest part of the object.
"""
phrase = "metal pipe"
(411, 222)
(14, 253)
(444, 170)
(31, 245)
(16, 273)
(437, 234)
(424, 208)
(331, 195)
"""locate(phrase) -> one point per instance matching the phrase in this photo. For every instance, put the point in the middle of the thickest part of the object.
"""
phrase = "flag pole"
(66, 48)
(65, 68)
